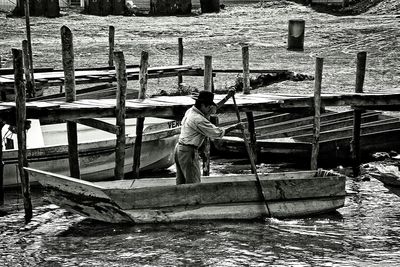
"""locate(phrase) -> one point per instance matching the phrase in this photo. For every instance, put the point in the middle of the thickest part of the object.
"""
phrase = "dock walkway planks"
(87, 76)
(175, 106)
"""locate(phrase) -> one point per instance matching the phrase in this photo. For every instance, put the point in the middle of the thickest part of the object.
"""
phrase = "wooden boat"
(280, 137)
(389, 175)
(48, 149)
(158, 200)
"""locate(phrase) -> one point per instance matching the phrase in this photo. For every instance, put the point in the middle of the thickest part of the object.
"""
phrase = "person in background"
(196, 126)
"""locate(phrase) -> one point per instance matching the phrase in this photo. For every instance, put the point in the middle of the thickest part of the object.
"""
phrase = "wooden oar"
(251, 158)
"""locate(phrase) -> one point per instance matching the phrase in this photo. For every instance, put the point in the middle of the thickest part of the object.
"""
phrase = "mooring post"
(180, 59)
(355, 142)
(20, 99)
(317, 112)
(246, 69)
(1, 168)
(208, 73)
(29, 85)
(296, 35)
(29, 45)
(70, 96)
(111, 42)
(246, 90)
(122, 80)
(143, 76)
(208, 86)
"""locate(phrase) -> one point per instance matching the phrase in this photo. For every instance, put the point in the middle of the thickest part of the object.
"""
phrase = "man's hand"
(231, 92)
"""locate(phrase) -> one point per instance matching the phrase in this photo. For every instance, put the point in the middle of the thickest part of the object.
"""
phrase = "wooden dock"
(87, 76)
(175, 106)
(83, 111)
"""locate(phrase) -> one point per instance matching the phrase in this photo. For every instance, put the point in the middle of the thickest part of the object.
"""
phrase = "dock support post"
(122, 80)
(70, 96)
(29, 47)
(317, 113)
(29, 83)
(246, 70)
(180, 59)
(143, 76)
(355, 142)
(1, 169)
(20, 100)
(246, 90)
(208, 86)
(208, 73)
(111, 38)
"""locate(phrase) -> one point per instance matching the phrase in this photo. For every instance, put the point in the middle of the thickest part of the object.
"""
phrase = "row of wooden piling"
(120, 66)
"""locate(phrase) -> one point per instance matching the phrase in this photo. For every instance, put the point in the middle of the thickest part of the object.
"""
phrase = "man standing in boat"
(196, 126)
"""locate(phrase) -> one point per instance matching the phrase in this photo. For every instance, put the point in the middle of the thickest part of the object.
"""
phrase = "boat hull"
(97, 157)
(216, 198)
(291, 141)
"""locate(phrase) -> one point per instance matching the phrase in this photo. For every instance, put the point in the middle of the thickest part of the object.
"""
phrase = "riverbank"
(357, 7)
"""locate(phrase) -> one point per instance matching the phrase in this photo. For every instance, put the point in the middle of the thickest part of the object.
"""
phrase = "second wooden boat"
(48, 149)
(389, 175)
(280, 137)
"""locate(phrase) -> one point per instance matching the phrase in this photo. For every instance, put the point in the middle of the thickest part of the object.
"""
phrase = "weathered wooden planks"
(237, 211)
(96, 75)
(175, 106)
(228, 197)
(227, 192)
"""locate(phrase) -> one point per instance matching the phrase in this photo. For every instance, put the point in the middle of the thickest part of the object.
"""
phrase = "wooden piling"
(1, 168)
(246, 70)
(208, 73)
(208, 86)
(111, 42)
(20, 100)
(180, 59)
(29, 45)
(355, 142)
(317, 113)
(29, 86)
(70, 96)
(246, 90)
(122, 80)
(143, 77)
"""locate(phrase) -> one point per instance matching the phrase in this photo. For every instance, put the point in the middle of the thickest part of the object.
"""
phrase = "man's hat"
(205, 97)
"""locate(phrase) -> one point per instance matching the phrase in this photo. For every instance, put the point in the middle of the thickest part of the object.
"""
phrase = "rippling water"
(363, 233)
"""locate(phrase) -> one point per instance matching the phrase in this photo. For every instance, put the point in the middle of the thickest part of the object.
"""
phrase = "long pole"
(252, 162)
(29, 39)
